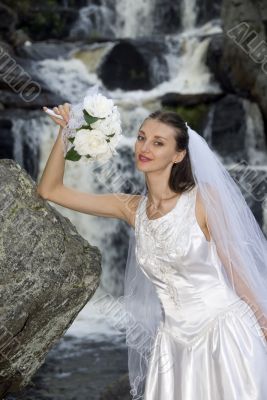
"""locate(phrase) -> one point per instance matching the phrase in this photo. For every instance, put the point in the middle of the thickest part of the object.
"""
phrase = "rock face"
(49, 19)
(207, 10)
(48, 274)
(229, 129)
(134, 64)
(244, 56)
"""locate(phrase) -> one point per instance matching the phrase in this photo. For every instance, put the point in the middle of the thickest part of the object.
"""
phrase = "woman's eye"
(139, 136)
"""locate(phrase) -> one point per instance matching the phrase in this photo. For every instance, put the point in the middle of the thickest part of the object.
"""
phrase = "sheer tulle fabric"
(240, 243)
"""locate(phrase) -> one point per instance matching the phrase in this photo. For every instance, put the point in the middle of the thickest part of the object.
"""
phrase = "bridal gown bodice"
(204, 320)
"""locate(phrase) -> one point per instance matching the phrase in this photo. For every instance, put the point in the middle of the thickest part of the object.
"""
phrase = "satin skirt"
(226, 360)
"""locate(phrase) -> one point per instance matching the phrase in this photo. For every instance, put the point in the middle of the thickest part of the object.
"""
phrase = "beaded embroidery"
(160, 236)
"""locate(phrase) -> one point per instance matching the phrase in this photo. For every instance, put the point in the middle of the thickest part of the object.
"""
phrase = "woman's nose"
(145, 146)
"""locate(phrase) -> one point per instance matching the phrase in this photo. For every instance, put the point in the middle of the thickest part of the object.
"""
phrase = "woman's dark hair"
(181, 177)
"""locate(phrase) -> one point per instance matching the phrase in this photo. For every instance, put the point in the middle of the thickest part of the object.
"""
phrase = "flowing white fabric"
(240, 251)
(208, 346)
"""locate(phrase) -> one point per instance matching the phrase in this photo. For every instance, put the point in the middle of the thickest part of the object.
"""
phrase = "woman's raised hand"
(62, 110)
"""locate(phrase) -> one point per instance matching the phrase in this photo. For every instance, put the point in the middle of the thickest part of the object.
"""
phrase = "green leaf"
(89, 118)
(111, 135)
(84, 127)
(72, 155)
(71, 139)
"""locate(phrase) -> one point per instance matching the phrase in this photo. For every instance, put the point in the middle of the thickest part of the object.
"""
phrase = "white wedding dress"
(209, 345)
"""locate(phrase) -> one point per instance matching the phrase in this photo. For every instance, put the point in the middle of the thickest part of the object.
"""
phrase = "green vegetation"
(25, 5)
(40, 21)
(193, 115)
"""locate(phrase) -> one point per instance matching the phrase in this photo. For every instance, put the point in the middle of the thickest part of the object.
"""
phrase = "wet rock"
(8, 20)
(208, 10)
(48, 274)
(180, 99)
(119, 390)
(134, 64)
(52, 49)
(229, 128)
(238, 60)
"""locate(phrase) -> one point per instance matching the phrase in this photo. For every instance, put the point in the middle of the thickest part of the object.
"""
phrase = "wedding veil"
(240, 243)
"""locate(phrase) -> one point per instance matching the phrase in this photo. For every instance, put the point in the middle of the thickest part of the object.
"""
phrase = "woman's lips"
(144, 159)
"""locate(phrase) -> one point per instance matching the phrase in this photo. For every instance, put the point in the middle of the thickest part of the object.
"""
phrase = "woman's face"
(156, 141)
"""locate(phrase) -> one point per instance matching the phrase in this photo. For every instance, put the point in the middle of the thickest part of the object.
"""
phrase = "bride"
(196, 278)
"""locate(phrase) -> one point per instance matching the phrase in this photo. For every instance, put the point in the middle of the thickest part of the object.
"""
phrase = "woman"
(193, 249)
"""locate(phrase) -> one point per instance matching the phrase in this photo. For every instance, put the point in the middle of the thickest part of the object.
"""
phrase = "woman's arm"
(53, 173)
(51, 187)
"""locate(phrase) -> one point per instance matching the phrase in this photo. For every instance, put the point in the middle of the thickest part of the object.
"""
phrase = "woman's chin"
(142, 166)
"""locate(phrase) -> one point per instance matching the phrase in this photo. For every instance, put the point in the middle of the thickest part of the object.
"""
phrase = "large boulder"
(48, 274)
(207, 10)
(134, 64)
(241, 60)
(8, 21)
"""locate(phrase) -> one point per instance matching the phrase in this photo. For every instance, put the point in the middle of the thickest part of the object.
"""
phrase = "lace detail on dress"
(167, 235)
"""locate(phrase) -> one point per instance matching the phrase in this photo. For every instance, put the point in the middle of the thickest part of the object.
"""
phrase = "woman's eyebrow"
(154, 136)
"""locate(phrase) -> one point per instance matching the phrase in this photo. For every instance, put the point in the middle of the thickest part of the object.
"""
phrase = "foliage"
(193, 115)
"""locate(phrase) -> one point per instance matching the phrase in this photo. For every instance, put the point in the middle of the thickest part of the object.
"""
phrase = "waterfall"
(94, 20)
(189, 14)
(134, 18)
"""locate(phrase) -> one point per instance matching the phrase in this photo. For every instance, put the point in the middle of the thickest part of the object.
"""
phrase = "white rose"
(115, 140)
(98, 105)
(109, 125)
(90, 142)
(101, 157)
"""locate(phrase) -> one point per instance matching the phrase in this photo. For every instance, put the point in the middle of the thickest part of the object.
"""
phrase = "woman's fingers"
(58, 121)
(62, 110)
(63, 113)
(67, 109)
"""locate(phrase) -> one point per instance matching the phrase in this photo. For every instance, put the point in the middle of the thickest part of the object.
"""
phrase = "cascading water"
(189, 14)
(140, 23)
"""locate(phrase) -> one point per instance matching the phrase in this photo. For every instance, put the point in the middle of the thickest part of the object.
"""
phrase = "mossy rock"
(47, 20)
(195, 116)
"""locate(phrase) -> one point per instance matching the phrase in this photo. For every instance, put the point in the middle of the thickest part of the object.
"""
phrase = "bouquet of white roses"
(93, 130)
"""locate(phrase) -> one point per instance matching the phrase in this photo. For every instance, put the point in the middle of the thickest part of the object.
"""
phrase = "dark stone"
(228, 129)
(42, 22)
(179, 99)
(208, 10)
(52, 49)
(8, 20)
(48, 274)
(253, 185)
(13, 100)
(119, 390)
(167, 16)
(6, 139)
(220, 69)
(134, 64)
(246, 75)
